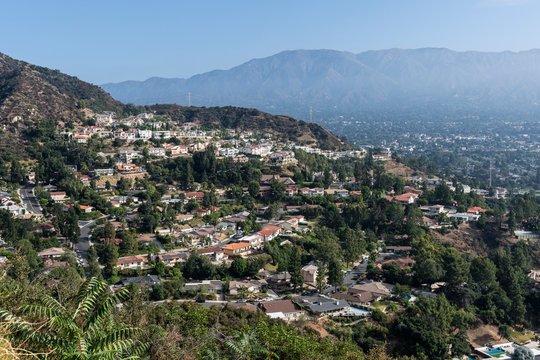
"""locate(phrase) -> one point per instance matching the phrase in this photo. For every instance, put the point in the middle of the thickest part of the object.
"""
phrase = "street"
(352, 276)
(28, 199)
(84, 243)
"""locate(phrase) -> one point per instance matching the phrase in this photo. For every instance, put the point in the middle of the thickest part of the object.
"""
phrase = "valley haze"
(338, 82)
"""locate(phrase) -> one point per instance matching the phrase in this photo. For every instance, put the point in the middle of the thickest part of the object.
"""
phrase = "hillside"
(374, 83)
(251, 119)
(29, 93)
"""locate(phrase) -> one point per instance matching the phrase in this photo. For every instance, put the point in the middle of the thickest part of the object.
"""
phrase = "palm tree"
(245, 346)
(86, 334)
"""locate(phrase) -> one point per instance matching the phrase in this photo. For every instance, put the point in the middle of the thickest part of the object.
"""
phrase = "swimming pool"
(357, 311)
(494, 352)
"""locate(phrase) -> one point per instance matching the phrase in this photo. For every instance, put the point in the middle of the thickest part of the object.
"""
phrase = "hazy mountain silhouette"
(385, 80)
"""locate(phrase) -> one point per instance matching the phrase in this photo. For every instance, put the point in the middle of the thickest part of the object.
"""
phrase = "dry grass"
(483, 333)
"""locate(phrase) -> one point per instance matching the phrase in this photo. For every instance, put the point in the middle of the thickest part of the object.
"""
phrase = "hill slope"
(29, 93)
(385, 81)
(251, 119)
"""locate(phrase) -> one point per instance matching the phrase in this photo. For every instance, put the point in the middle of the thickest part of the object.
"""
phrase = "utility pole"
(189, 99)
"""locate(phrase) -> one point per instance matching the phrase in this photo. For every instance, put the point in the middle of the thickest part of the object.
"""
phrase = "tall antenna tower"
(490, 169)
(311, 114)
(189, 98)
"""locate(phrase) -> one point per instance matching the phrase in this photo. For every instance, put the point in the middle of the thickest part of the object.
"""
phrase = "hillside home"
(255, 240)
(312, 192)
(58, 196)
(161, 134)
(237, 249)
(51, 253)
(214, 253)
(194, 195)
(103, 172)
(282, 309)
(269, 232)
(173, 257)
(211, 286)
(144, 134)
(405, 199)
(158, 152)
(145, 282)
(309, 273)
(236, 287)
(131, 262)
(432, 210)
(128, 168)
(476, 210)
(322, 305)
(127, 156)
(282, 158)
(465, 217)
(176, 149)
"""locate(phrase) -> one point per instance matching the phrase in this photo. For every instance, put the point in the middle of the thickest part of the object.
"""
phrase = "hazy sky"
(115, 40)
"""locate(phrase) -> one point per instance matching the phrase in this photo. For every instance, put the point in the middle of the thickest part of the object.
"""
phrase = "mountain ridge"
(293, 80)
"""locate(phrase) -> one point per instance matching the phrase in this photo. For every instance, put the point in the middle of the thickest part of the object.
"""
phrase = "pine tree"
(295, 268)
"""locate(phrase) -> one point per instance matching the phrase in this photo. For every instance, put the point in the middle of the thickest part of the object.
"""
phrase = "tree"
(321, 277)
(160, 268)
(505, 331)
(277, 190)
(295, 268)
(482, 221)
(108, 256)
(123, 185)
(432, 326)
(456, 268)
(87, 333)
(16, 172)
(271, 212)
(245, 346)
(129, 244)
(209, 199)
(335, 274)
(93, 266)
(511, 222)
(238, 267)
(353, 245)
(199, 267)
(254, 188)
(443, 194)
(428, 271)
(522, 353)
(109, 233)
(483, 272)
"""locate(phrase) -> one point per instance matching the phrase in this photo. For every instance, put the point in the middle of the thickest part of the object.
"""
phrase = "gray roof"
(147, 280)
(321, 304)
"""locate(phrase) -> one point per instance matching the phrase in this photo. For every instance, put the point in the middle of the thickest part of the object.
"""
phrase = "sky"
(116, 40)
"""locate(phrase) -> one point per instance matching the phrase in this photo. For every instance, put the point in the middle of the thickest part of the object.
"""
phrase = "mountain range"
(342, 82)
(30, 93)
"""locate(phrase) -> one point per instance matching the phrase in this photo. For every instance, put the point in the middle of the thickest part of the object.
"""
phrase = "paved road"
(29, 201)
(353, 276)
(84, 240)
